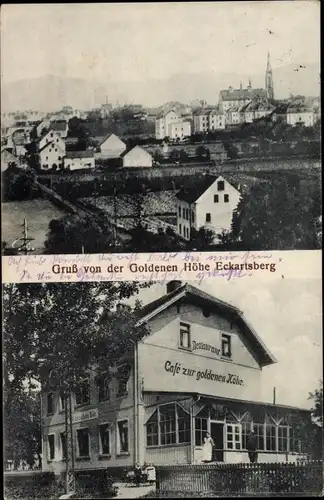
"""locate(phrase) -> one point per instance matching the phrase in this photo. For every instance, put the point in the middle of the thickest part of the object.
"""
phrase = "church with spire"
(236, 98)
(269, 80)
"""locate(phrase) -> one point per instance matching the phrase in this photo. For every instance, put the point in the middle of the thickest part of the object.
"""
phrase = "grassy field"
(38, 213)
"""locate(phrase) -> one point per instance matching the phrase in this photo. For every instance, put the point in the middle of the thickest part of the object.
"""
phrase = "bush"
(97, 482)
(31, 486)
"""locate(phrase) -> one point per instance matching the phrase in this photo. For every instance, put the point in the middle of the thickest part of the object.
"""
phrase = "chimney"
(173, 285)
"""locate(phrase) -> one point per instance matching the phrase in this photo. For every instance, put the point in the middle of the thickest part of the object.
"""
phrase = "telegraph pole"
(115, 219)
(70, 476)
(24, 245)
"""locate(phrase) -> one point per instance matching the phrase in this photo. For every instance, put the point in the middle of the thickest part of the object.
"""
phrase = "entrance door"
(217, 433)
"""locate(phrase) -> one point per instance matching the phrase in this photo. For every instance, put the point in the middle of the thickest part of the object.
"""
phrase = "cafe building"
(199, 370)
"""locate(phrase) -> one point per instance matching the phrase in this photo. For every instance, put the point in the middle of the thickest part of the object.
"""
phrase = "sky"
(134, 42)
(287, 316)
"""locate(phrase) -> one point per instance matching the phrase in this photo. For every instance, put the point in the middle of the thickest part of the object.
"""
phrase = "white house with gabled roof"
(198, 370)
(209, 204)
(137, 157)
(112, 147)
(51, 137)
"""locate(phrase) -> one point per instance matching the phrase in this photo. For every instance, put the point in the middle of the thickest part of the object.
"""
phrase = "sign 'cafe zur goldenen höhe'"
(199, 370)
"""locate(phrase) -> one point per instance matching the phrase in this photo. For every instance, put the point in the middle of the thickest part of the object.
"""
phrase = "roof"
(163, 113)
(127, 151)
(111, 136)
(59, 126)
(79, 154)
(155, 307)
(192, 194)
(299, 109)
(45, 146)
(242, 94)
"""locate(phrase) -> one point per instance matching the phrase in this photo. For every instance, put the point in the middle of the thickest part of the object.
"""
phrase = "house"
(51, 137)
(51, 156)
(216, 120)
(233, 116)
(239, 97)
(8, 158)
(60, 127)
(76, 160)
(299, 114)
(137, 157)
(163, 122)
(201, 121)
(199, 370)
(209, 204)
(112, 146)
(262, 109)
(179, 130)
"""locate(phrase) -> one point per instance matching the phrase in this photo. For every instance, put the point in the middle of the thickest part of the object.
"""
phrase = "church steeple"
(269, 80)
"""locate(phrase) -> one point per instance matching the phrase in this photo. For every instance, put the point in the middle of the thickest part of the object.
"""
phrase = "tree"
(317, 409)
(22, 427)
(71, 234)
(272, 217)
(19, 185)
(64, 329)
(202, 238)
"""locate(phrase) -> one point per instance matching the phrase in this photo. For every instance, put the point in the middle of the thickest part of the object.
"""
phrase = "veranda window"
(201, 427)
(259, 432)
(169, 424)
(283, 438)
(233, 437)
(271, 438)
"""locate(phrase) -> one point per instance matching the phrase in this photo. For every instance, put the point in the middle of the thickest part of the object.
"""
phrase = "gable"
(113, 142)
(229, 189)
(137, 152)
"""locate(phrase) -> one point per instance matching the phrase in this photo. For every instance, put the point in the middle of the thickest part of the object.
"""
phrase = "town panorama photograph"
(160, 127)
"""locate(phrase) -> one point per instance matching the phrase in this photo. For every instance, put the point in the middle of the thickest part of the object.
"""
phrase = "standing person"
(208, 448)
(137, 474)
(252, 446)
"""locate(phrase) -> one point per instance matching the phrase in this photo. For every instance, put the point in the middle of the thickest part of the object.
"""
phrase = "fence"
(240, 479)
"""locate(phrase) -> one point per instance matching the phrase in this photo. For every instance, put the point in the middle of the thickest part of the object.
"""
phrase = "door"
(217, 433)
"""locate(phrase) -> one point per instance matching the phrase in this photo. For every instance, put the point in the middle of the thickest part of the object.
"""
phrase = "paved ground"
(125, 491)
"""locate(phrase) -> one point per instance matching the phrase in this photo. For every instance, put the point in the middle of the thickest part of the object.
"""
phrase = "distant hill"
(52, 92)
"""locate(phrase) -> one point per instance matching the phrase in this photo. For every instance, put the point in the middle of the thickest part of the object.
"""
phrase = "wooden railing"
(240, 479)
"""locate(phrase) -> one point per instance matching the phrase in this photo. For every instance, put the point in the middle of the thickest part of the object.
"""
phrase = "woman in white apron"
(208, 448)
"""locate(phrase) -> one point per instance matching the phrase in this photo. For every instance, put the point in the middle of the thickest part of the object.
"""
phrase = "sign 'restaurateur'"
(201, 346)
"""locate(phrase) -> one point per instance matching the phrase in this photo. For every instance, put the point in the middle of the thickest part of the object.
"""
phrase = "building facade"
(76, 160)
(300, 115)
(112, 147)
(199, 370)
(209, 205)
(163, 121)
(137, 157)
(179, 130)
(51, 156)
(51, 137)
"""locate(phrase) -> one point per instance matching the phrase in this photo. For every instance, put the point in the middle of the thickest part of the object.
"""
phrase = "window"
(51, 446)
(82, 393)
(180, 229)
(192, 216)
(83, 447)
(152, 430)
(185, 336)
(122, 386)
(271, 438)
(246, 428)
(259, 432)
(183, 425)
(103, 389)
(62, 401)
(122, 437)
(179, 211)
(63, 445)
(226, 346)
(220, 186)
(104, 439)
(167, 425)
(201, 426)
(46, 158)
(184, 213)
(216, 198)
(283, 438)
(51, 134)
(187, 213)
(233, 437)
(226, 198)
(208, 217)
(50, 403)
(59, 158)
